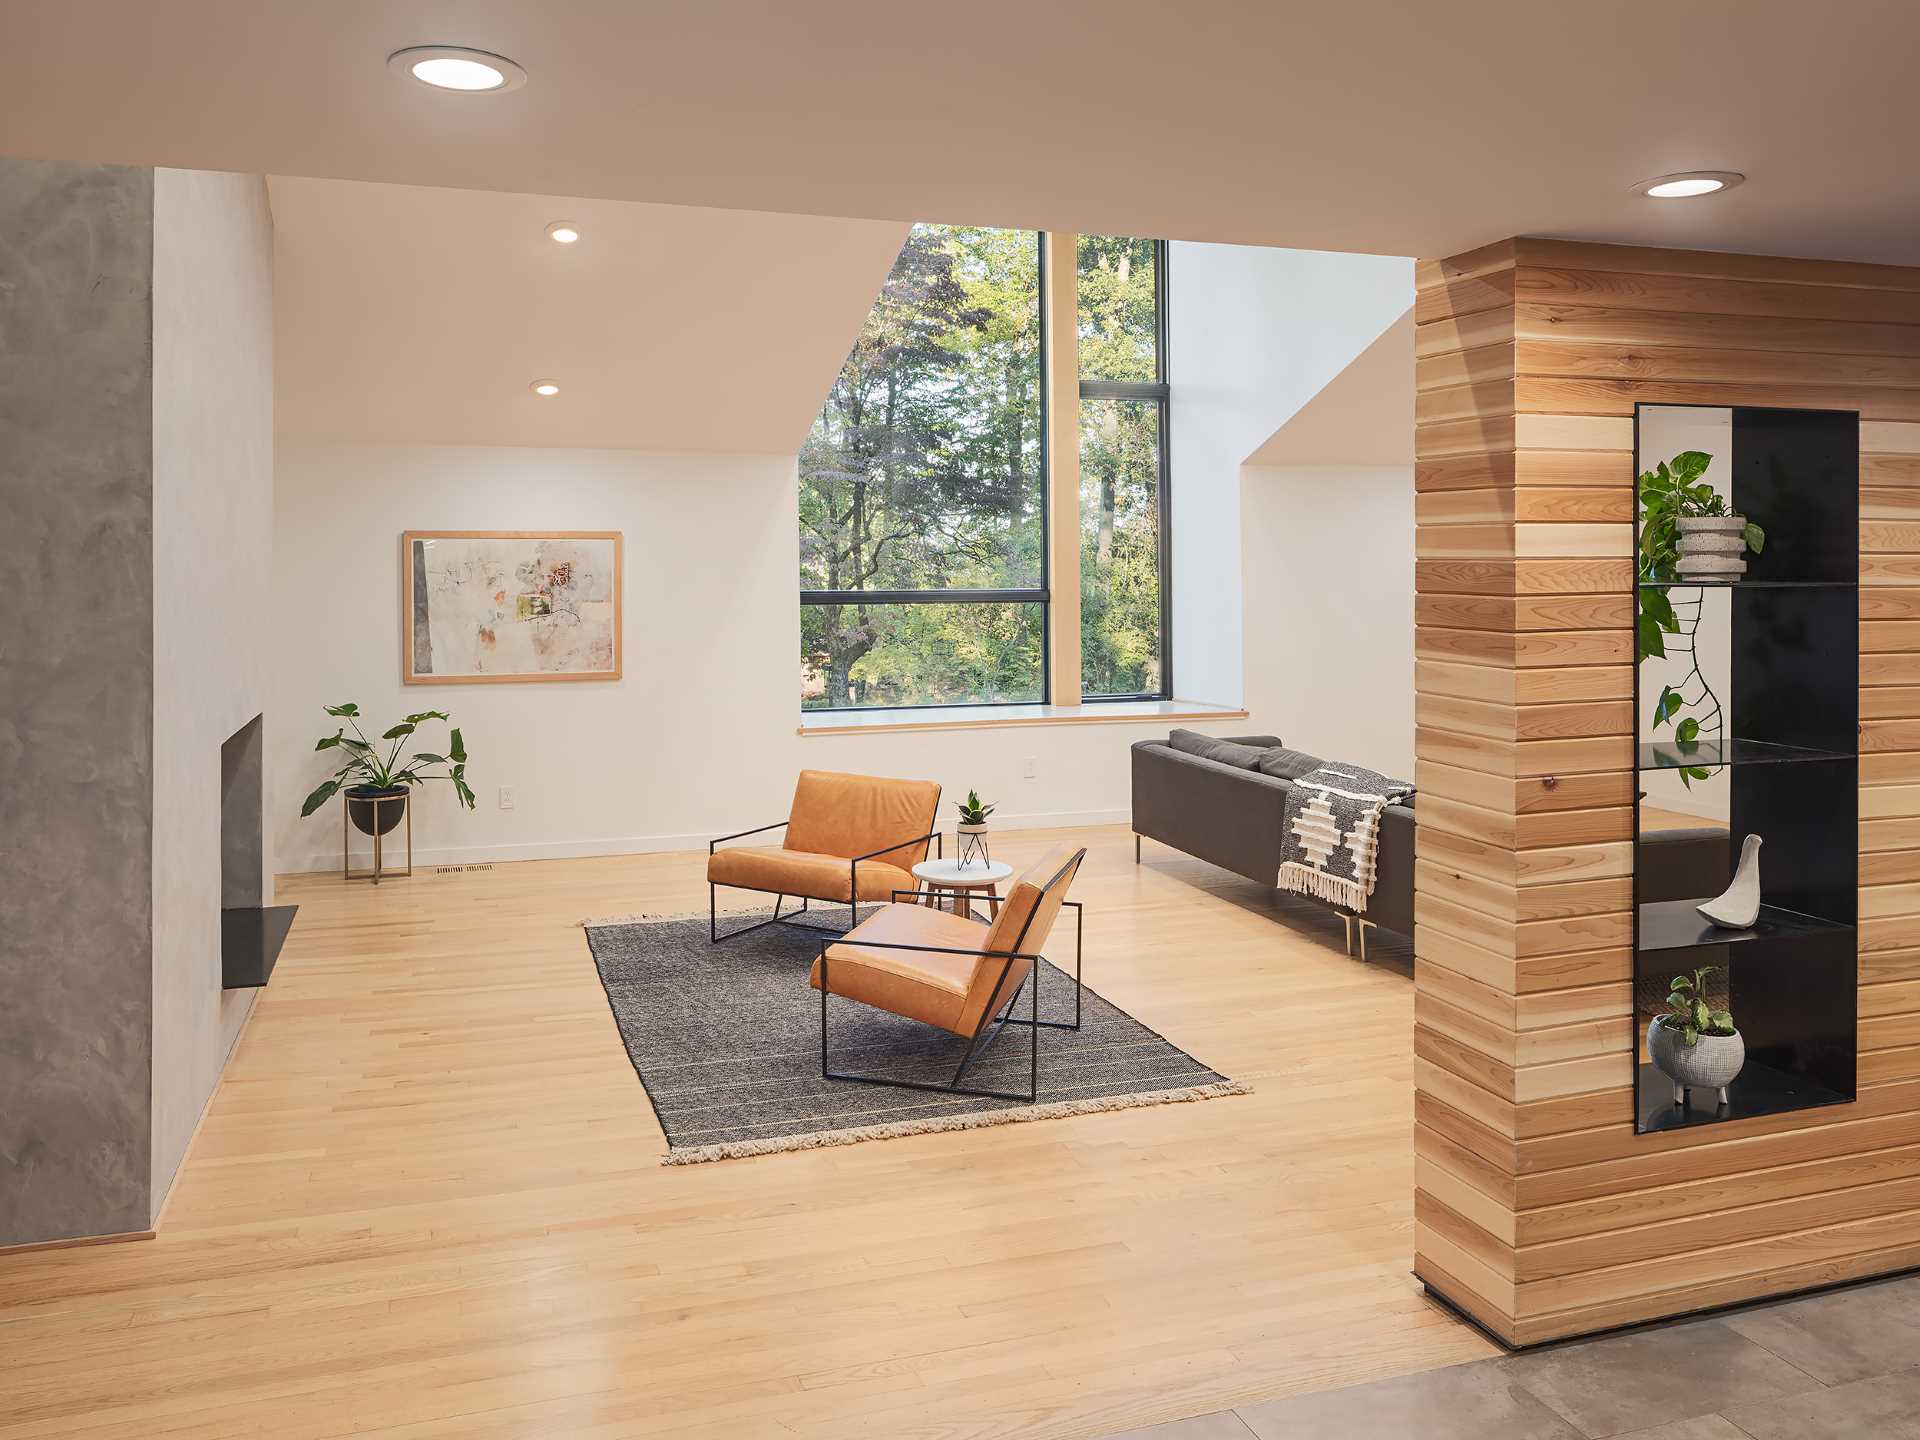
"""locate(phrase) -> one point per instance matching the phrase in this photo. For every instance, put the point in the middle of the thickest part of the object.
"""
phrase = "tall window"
(922, 488)
(1123, 468)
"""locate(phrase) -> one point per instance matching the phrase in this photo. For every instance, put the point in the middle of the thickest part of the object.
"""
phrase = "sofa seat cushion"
(930, 988)
(803, 872)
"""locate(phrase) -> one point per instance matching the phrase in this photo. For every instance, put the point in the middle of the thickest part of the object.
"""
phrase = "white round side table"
(951, 876)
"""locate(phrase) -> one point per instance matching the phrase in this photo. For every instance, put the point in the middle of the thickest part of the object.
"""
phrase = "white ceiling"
(415, 315)
(1378, 125)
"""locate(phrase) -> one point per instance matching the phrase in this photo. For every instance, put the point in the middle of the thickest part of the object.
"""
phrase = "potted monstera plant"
(385, 772)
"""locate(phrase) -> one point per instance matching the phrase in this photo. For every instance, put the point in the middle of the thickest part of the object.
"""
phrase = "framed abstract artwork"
(510, 605)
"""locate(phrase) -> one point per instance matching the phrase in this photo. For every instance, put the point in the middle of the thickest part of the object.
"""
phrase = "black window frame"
(1160, 392)
(1041, 595)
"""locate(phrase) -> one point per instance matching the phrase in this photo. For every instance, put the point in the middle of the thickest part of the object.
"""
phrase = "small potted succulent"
(1693, 1044)
(371, 776)
(972, 830)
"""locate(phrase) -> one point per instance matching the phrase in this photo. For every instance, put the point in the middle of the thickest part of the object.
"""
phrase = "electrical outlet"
(506, 797)
(1028, 767)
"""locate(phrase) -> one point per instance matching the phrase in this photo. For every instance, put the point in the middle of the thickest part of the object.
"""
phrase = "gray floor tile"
(1462, 1402)
(1635, 1382)
(1220, 1425)
(1884, 1408)
(1705, 1427)
(1851, 1334)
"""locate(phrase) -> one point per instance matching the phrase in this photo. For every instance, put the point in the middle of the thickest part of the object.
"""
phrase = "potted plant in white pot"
(1688, 531)
(378, 783)
(1693, 1044)
(972, 830)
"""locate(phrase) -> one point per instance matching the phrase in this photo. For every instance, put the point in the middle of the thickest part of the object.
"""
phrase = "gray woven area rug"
(726, 1040)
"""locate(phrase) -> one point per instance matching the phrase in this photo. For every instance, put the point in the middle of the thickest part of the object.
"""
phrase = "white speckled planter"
(1710, 1063)
(1711, 547)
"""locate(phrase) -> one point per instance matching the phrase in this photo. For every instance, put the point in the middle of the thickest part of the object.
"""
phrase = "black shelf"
(1677, 925)
(1745, 584)
(1757, 1090)
(250, 941)
(1712, 754)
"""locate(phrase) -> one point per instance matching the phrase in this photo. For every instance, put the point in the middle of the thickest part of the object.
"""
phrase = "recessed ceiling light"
(562, 233)
(1688, 184)
(544, 387)
(454, 67)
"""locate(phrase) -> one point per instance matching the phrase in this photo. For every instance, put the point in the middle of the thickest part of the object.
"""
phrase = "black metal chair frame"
(991, 1023)
(779, 897)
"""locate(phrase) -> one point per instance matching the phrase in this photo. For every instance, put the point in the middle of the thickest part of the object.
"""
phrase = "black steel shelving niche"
(1788, 757)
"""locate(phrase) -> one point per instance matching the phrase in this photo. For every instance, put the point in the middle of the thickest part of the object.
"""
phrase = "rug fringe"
(658, 917)
(643, 917)
(973, 1120)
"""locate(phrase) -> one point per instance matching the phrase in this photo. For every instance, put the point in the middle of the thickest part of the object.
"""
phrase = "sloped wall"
(1255, 334)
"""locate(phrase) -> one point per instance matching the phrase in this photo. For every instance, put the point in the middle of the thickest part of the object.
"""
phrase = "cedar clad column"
(1538, 1209)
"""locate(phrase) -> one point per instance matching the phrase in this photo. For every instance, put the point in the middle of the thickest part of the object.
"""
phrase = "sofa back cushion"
(1284, 764)
(1221, 752)
(853, 815)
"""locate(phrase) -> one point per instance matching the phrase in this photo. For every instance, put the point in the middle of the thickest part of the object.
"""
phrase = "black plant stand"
(379, 870)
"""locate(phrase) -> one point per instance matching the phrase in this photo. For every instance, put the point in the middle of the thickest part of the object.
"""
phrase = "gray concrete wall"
(76, 690)
(213, 587)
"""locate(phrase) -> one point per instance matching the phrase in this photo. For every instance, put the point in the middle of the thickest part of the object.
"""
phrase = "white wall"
(700, 737)
(212, 587)
(1255, 334)
(697, 739)
(1667, 431)
(1329, 602)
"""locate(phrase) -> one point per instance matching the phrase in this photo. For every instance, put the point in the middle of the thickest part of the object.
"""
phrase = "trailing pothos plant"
(367, 764)
(1669, 492)
(1688, 1011)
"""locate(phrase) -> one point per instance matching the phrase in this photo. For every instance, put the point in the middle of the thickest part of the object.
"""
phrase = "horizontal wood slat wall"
(1538, 1209)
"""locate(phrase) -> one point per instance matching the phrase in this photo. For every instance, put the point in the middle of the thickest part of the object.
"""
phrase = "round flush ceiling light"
(561, 233)
(544, 387)
(454, 67)
(1689, 184)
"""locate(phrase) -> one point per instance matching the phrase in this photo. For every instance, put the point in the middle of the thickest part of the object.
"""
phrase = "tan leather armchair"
(955, 974)
(848, 838)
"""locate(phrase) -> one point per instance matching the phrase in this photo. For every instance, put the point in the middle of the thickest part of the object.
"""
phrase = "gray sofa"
(1223, 808)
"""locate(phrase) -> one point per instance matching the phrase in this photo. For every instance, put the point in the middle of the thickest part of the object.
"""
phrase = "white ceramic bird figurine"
(1738, 906)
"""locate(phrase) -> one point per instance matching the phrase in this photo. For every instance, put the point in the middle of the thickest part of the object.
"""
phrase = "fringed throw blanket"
(1331, 833)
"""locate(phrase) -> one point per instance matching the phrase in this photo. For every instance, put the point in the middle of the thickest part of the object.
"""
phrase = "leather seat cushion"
(800, 872)
(921, 986)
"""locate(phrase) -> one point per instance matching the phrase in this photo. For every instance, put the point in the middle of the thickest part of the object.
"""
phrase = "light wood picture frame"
(491, 607)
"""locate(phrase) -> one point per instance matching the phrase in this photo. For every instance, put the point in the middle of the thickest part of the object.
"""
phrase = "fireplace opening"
(251, 932)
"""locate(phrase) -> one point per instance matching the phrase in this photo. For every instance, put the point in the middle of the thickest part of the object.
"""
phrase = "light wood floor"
(426, 1202)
